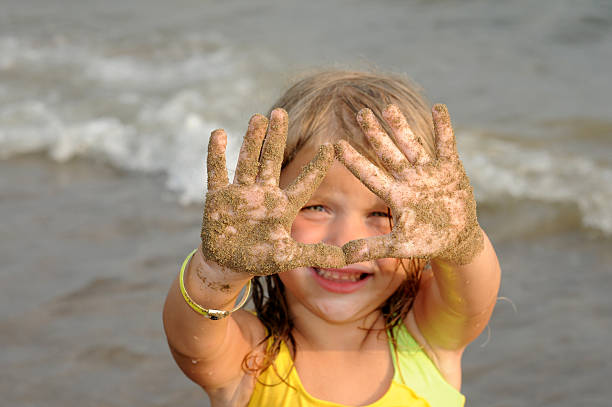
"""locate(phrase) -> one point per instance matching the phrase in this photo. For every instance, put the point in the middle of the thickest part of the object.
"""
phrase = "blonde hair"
(322, 108)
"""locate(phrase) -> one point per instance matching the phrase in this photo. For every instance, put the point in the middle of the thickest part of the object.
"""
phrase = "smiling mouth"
(341, 276)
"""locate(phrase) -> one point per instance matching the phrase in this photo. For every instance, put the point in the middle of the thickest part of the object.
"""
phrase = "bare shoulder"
(250, 327)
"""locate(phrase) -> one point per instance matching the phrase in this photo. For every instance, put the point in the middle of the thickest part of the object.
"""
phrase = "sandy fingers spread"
(432, 202)
(246, 225)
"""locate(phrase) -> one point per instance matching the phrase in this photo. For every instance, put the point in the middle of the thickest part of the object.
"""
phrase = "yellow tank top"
(416, 383)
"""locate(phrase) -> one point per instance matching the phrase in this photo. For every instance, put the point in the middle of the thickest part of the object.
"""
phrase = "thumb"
(320, 255)
(371, 248)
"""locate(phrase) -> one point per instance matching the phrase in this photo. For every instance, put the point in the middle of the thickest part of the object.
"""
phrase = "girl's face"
(341, 209)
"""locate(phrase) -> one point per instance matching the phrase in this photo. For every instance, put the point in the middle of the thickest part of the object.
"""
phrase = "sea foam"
(500, 169)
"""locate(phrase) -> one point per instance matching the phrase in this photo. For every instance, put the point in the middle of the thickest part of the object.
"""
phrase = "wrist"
(207, 269)
(466, 247)
(211, 284)
(222, 310)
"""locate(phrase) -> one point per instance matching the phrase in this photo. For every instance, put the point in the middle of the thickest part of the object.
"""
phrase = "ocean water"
(118, 98)
(141, 84)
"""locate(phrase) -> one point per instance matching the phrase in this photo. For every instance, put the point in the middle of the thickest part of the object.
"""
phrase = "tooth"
(335, 275)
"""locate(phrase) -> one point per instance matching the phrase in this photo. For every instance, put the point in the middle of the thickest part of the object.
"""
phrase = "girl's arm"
(210, 352)
(434, 216)
(455, 303)
(453, 306)
(245, 232)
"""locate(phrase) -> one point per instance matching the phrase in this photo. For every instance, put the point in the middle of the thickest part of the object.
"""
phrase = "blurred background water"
(105, 111)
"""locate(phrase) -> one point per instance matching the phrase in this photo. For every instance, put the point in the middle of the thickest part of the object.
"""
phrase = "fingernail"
(364, 114)
(440, 108)
(278, 113)
(257, 120)
(391, 108)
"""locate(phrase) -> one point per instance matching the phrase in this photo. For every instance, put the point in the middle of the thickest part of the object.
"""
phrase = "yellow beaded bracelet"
(213, 314)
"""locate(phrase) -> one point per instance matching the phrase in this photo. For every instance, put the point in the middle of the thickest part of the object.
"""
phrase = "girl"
(370, 274)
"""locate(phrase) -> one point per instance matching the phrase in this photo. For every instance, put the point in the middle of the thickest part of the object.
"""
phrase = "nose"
(345, 228)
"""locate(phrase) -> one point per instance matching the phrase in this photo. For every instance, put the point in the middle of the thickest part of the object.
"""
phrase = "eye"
(381, 214)
(315, 212)
(381, 221)
(316, 208)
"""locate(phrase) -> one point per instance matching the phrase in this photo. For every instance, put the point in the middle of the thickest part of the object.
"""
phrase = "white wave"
(15, 53)
(184, 152)
(26, 127)
(131, 71)
(147, 108)
(499, 169)
(171, 138)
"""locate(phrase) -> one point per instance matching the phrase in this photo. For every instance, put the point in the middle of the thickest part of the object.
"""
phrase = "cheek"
(295, 282)
(306, 231)
(393, 269)
(288, 277)
(379, 225)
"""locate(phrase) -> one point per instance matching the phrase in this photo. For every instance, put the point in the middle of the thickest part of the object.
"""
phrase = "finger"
(393, 159)
(371, 248)
(320, 255)
(404, 137)
(300, 190)
(445, 139)
(215, 162)
(248, 159)
(273, 148)
(369, 174)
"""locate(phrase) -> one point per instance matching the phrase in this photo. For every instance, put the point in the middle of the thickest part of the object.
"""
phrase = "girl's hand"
(431, 200)
(246, 225)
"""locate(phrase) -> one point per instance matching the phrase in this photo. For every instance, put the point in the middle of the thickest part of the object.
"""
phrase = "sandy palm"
(431, 200)
(246, 224)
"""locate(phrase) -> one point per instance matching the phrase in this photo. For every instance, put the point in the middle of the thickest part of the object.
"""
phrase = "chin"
(339, 311)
